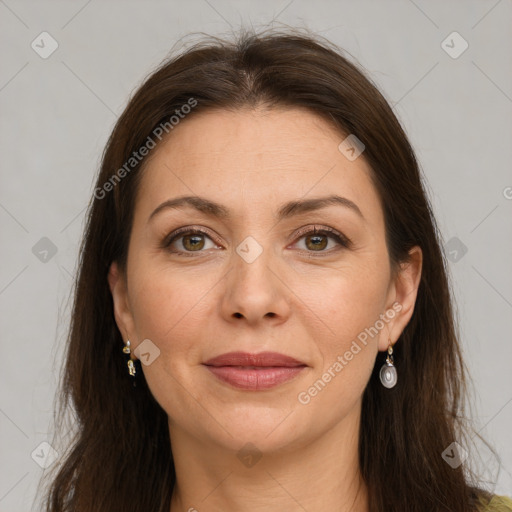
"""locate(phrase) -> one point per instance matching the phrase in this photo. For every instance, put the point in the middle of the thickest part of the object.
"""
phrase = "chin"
(268, 429)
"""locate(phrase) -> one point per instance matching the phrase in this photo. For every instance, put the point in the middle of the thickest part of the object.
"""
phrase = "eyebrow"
(287, 210)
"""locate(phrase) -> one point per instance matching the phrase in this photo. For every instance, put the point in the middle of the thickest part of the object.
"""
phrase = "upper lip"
(266, 359)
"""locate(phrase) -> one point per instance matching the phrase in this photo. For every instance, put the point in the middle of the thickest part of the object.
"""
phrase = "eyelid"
(188, 230)
(340, 238)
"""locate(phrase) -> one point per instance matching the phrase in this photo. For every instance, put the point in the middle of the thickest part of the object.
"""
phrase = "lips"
(265, 359)
(254, 371)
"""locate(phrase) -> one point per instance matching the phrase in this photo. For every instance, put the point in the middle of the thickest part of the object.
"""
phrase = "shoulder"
(497, 504)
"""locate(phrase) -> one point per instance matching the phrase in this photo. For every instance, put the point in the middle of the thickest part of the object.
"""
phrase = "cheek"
(347, 346)
(170, 309)
(163, 309)
(347, 301)
(350, 304)
(166, 301)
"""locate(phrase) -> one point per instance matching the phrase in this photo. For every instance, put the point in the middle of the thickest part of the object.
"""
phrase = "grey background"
(57, 113)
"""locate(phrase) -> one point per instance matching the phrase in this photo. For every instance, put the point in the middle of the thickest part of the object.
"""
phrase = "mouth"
(254, 371)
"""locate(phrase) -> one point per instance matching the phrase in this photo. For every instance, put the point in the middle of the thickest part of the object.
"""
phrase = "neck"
(320, 475)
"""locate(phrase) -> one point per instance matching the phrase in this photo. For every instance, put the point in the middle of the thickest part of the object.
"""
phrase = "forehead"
(249, 157)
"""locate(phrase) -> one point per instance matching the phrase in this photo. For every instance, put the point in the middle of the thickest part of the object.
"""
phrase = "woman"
(262, 318)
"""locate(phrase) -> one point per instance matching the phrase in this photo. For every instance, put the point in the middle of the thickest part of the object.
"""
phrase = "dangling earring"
(388, 375)
(131, 366)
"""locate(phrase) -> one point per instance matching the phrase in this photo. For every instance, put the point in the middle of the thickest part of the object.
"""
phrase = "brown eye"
(188, 241)
(316, 242)
(193, 242)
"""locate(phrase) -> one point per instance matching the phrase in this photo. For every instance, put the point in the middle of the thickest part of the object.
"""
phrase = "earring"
(131, 366)
(388, 375)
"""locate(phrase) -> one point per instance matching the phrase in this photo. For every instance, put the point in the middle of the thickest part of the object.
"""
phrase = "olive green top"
(498, 504)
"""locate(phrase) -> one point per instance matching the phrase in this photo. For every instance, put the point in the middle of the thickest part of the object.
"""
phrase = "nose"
(256, 291)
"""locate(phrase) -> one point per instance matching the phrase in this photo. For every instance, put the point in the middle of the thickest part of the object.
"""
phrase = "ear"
(402, 297)
(122, 311)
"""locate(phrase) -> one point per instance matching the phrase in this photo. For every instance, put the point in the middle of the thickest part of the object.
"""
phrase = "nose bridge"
(252, 266)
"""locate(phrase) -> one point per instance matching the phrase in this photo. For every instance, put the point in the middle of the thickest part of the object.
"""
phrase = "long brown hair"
(120, 456)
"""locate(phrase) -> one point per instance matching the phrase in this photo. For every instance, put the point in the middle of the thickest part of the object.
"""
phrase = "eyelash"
(329, 232)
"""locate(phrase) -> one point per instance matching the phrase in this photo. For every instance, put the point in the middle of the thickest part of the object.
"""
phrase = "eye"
(185, 241)
(188, 240)
(317, 240)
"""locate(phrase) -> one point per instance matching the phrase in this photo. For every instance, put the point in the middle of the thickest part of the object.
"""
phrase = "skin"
(297, 299)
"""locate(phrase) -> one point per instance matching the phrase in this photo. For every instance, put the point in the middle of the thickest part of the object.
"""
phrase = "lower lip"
(252, 379)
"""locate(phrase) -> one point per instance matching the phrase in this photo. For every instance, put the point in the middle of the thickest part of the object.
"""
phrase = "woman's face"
(258, 279)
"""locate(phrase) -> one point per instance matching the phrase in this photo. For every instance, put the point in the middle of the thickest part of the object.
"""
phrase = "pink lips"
(254, 371)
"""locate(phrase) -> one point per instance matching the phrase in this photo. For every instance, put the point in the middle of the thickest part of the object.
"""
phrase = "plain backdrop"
(57, 111)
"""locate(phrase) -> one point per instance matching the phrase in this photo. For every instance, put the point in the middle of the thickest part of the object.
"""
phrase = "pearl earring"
(388, 375)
